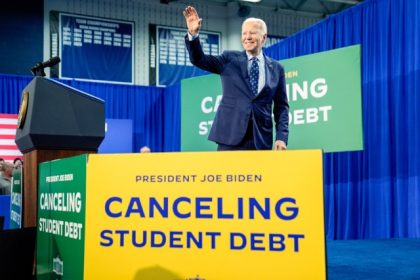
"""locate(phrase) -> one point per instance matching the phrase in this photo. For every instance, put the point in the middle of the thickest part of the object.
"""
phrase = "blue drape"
(11, 87)
(374, 193)
(154, 111)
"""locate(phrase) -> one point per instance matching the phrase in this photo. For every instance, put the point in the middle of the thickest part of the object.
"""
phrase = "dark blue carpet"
(395, 259)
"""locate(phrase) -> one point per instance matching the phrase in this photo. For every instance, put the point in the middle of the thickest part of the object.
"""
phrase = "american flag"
(8, 149)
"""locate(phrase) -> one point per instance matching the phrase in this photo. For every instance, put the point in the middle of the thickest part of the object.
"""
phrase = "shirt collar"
(260, 56)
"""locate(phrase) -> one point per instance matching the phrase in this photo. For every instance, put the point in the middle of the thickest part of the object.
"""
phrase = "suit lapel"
(268, 73)
(243, 62)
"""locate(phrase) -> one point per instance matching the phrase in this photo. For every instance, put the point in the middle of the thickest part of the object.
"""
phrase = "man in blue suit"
(252, 83)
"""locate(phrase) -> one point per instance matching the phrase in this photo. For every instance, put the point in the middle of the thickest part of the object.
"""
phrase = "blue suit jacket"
(238, 103)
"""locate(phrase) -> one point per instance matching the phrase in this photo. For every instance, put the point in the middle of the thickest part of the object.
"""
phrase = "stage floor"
(393, 259)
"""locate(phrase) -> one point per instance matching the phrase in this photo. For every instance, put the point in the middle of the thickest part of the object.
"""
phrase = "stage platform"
(387, 259)
(393, 259)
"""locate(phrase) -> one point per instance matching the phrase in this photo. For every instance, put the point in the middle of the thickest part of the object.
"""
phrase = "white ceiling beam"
(351, 2)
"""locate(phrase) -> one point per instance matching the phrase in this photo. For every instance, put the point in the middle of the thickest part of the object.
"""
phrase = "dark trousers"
(247, 142)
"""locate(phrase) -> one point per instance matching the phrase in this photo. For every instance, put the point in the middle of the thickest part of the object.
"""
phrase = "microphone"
(51, 62)
(38, 69)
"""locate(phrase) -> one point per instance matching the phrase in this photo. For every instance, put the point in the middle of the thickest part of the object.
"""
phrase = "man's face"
(252, 37)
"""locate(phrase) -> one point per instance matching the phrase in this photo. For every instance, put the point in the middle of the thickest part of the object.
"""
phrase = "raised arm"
(193, 20)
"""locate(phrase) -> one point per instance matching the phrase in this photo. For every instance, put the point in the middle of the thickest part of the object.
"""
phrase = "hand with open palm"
(192, 19)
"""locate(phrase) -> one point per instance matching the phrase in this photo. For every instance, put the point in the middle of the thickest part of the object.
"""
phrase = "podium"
(55, 121)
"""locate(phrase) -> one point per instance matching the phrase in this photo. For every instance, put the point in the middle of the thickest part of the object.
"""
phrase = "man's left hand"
(279, 146)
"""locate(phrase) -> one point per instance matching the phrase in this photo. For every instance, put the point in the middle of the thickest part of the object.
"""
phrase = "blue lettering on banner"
(201, 208)
(257, 241)
(294, 210)
(284, 209)
(296, 240)
(163, 210)
(265, 213)
(174, 237)
(122, 233)
(105, 236)
(159, 239)
(274, 242)
(220, 213)
(108, 207)
(135, 207)
(155, 236)
(175, 207)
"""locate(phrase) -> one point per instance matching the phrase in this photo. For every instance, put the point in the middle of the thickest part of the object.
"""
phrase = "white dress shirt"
(261, 68)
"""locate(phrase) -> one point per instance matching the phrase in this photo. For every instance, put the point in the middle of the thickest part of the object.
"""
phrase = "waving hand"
(192, 19)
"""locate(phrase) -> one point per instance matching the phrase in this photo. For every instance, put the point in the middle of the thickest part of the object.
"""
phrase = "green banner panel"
(61, 218)
(324, 92)
(200, 98)
(16, 200)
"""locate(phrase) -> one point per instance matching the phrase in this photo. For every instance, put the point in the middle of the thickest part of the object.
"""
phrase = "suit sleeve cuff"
(191, 37)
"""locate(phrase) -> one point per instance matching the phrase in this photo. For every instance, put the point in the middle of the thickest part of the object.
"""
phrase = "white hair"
(262, 24)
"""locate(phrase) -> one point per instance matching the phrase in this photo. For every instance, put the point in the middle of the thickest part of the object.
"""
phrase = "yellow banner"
(214, 215)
